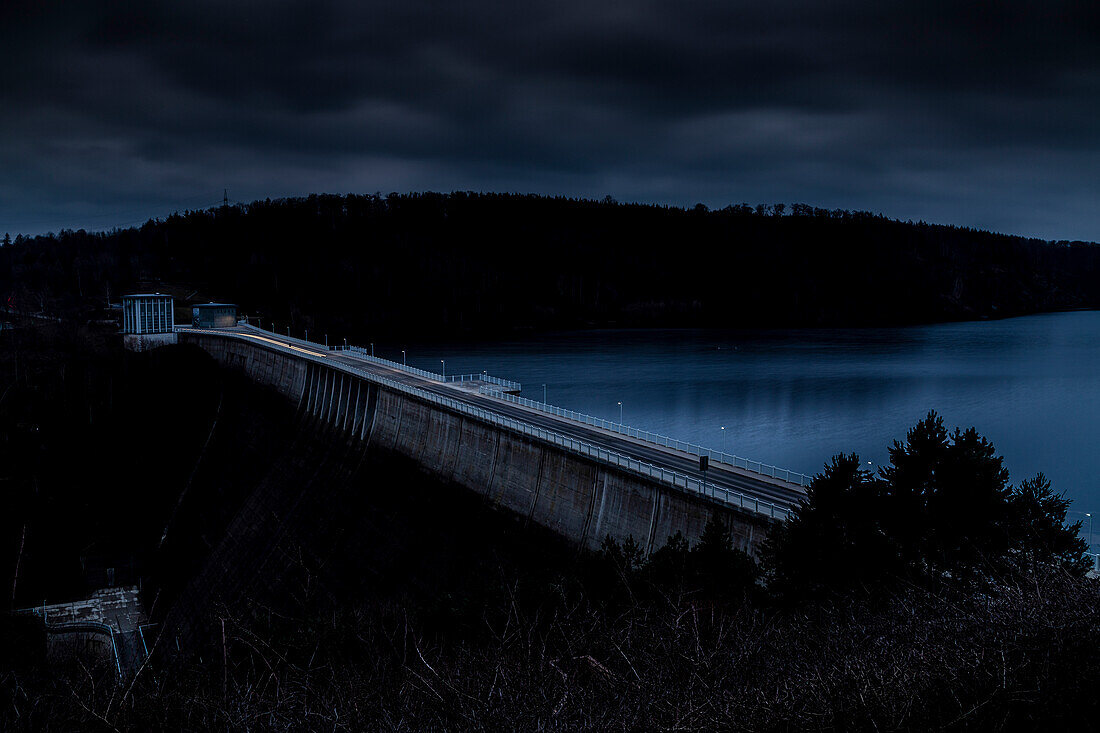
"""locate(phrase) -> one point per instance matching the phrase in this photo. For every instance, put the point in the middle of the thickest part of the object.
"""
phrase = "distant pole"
(444, 363)
(403, 357)
(307, 334)
(544, 394)
(345, 344)
(620, 412)
(326, 340)
(288, 331)
(1089, 515)
(372, 348)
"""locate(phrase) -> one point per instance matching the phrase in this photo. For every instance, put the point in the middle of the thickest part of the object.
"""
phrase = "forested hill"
(448, 265)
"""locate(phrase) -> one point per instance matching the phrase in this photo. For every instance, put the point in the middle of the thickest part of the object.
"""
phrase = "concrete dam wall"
(577, 496)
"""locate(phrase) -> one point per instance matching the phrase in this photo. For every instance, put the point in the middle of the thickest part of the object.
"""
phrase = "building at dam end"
(148, 321)
(147, 313)
(214, 315)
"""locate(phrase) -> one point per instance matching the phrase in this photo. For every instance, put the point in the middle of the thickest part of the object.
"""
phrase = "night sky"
(978, 114)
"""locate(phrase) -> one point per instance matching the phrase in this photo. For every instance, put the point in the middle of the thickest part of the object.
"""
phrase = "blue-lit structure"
(146, 313)
(214, 315)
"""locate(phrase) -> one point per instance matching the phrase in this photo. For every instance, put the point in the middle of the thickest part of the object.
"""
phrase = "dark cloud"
(972, 113)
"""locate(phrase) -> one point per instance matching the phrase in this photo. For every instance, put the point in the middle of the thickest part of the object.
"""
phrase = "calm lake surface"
(794, 398)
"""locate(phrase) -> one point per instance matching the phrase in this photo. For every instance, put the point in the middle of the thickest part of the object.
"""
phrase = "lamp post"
(1089, 515)
(307, 334)
(345, 344)
(326, 340)
(372, 348)
(620, 412)
(544, 394)
(444, 375)
(403, 358)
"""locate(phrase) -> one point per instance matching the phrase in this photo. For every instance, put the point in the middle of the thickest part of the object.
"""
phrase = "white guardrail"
(729, 459)
(365, 355)
(362, 353)
(664, 475)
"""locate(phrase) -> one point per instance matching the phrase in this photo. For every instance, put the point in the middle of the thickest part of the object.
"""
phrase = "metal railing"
(285, 337)
(675, 479)
(729, 459)
(483, 377)
(365, 355)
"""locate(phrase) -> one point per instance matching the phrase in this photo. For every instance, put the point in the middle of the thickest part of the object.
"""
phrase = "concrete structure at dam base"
(579, 497)
(147, 341)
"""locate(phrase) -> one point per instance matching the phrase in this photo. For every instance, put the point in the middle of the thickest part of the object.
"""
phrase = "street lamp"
(345, 344)
(544, 394)
(372, 348)
(403, 357)
(307, 334)
(444, 375)
(1089, 515)
(620, 412)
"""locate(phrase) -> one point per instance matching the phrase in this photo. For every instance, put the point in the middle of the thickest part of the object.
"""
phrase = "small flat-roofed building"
(146, 313)
(214, 315)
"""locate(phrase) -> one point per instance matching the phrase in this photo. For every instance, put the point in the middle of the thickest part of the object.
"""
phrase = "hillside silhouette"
(464, 264)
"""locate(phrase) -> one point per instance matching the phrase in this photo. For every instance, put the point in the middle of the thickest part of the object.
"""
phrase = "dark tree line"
(444, 265)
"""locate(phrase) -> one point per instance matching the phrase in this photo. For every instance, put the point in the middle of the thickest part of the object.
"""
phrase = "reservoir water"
(794, 398)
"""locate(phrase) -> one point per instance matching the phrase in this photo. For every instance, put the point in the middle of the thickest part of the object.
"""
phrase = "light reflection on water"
(794, 398)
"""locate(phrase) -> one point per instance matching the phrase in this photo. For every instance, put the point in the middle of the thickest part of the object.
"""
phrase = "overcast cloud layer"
(975, 114)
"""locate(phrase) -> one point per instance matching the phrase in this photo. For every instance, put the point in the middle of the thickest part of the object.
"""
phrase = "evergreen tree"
(941, 512)
(1037, 520)
(836, 540)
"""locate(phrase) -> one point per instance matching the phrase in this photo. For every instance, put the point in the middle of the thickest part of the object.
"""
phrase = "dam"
(583, 478)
